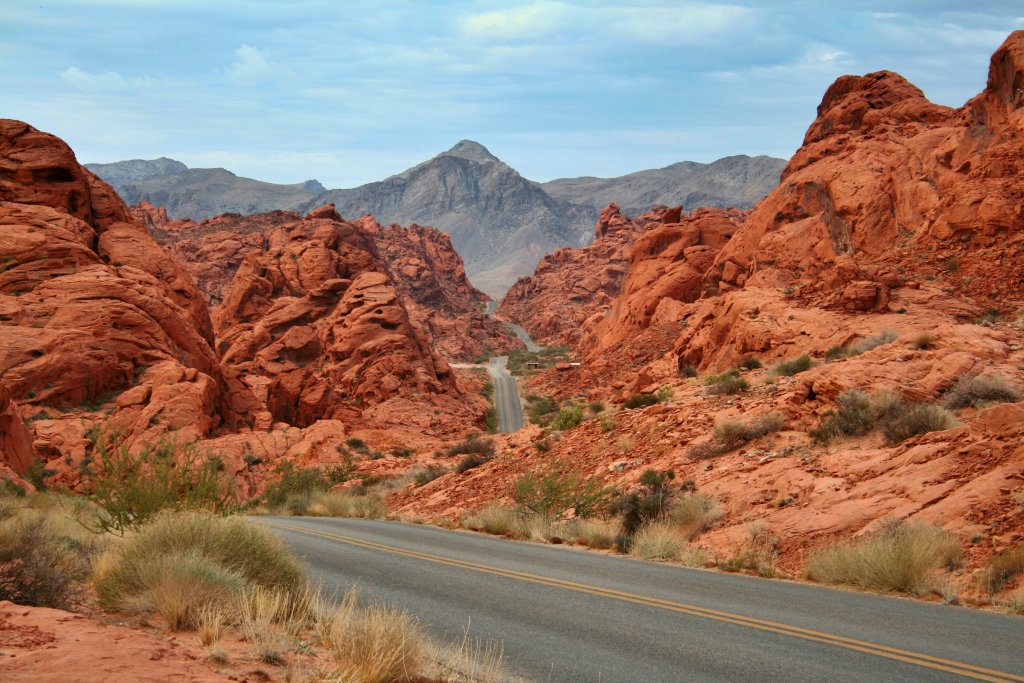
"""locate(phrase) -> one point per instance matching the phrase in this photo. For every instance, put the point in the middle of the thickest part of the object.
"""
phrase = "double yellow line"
(928, 661)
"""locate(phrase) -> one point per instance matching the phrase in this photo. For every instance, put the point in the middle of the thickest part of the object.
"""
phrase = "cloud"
(250, 66)
(691, 23)
(110, 80)
(518, 23)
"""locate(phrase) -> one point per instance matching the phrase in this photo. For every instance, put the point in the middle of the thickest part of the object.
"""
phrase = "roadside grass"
(1001, 569)
(899, 556)
(666, 541)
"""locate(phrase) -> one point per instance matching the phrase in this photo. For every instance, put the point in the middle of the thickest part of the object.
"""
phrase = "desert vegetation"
(858, 413)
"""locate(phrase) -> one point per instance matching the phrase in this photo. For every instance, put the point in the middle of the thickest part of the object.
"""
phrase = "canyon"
(888, 263)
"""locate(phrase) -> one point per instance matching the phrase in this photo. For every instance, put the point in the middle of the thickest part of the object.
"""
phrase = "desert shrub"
(428, 474)
(356, 443)
(476, 451)
(39, 565)
(123, 576)
(596, 407)
(567, 418)
(665, 393)
(542, 445)
(400, 452)
(695, 513)
(759, 552)
(898, 556)
(640, 401)
(917, 419)
(731, 433)
(180, 587)
(859, 346)
(38, 473)
(293, 485)
(751, 363)
(977, 390)
(552, 494)
(853, 416)
(715, 379)
(688, 371)
(788, 368)
(542, 411)
(130, 489)
(727, 384)
(491, 420)
(1001, 568)
(648, 503)
(607, 423)
(372, 643)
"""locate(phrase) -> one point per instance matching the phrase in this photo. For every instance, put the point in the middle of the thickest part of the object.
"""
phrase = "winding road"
(569, 615)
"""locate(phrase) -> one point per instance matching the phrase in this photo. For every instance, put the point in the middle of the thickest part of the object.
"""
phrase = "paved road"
(523, 336)
(570, 615)
(506, 396)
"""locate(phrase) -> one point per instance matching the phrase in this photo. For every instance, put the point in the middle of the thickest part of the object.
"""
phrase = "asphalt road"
(506, 396)
(570, 615)
(523, 336)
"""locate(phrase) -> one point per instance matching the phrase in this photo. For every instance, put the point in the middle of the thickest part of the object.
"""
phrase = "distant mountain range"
(500, 223)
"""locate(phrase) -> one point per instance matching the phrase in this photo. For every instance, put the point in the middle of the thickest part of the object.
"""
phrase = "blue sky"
(351, 92)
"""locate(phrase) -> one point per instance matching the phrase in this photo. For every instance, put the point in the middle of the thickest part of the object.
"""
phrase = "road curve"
(506, 396)
(570, 615)
(523, 336)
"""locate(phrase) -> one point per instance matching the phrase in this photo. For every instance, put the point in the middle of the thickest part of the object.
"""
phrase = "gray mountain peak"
(468, 149)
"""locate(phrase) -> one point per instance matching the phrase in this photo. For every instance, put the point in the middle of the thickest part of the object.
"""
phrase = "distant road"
(523, 336)
(506, 396)
(570, 615)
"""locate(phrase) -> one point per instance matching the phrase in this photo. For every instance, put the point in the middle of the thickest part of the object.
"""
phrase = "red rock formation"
(572, 285)
(423, 265)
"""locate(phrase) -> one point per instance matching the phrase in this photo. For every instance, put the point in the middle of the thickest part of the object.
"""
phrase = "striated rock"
(15, 438)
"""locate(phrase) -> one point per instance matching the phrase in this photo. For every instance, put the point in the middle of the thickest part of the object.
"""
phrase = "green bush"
(899, 556)
(292, 485)
(977, 390)
(126, 575)
(855, 415)
(130, 489)
(552, 494)
(665, 393)
(858, 413)
(648, 503)
(607, 423)
(596, 407)
(688, 371)
(542, 410)
(751, 363)
(726, 383)
(640, 401)
(788, 368)
(567, 418)
(472, 445)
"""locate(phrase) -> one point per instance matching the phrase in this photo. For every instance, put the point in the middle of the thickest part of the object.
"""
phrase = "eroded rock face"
(570, 286)
(313, 312)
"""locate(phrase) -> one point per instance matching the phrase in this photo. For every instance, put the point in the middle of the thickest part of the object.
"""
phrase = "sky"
(352, 92)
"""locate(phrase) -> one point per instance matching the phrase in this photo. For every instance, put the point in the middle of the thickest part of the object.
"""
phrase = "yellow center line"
(919, 659)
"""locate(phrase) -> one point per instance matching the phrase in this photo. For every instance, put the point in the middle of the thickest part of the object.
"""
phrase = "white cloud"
(527, 21)
(250, 66)
(110, 80)
(691, 23)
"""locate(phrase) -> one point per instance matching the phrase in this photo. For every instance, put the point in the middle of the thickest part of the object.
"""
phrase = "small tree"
(552, 495)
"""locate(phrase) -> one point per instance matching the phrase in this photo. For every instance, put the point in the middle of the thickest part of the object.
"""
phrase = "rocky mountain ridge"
(500, 223)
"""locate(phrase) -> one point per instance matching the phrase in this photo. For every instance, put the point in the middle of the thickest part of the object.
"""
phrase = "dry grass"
(790, 367)
(695, 513)
(181, 587)
(595, 533)
(212, 551)
(659, 541)
(897, 557)
(1001, 569)
(471, 659)
(347, 504)
(758, 553)
(213, 621)
(917, 419)
(493, 519)
(372, 643)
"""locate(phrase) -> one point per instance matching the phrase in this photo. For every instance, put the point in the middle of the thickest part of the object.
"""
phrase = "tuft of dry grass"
(213, 621)
(471, 659)
(917, 419)
(493, 519)
(263, 616)
(372, 643)
(695, 513)
(347, 504)
(1001, 569)
(182, 586)
(659, 541)
(898, 556)
(595, 533)
(922, 341)
(730, 433)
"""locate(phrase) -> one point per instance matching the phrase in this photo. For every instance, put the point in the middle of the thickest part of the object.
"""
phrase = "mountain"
(199, 192)
(500, 222)
(738, 181)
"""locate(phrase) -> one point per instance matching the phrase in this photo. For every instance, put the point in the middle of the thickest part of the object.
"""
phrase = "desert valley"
(798, 380)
